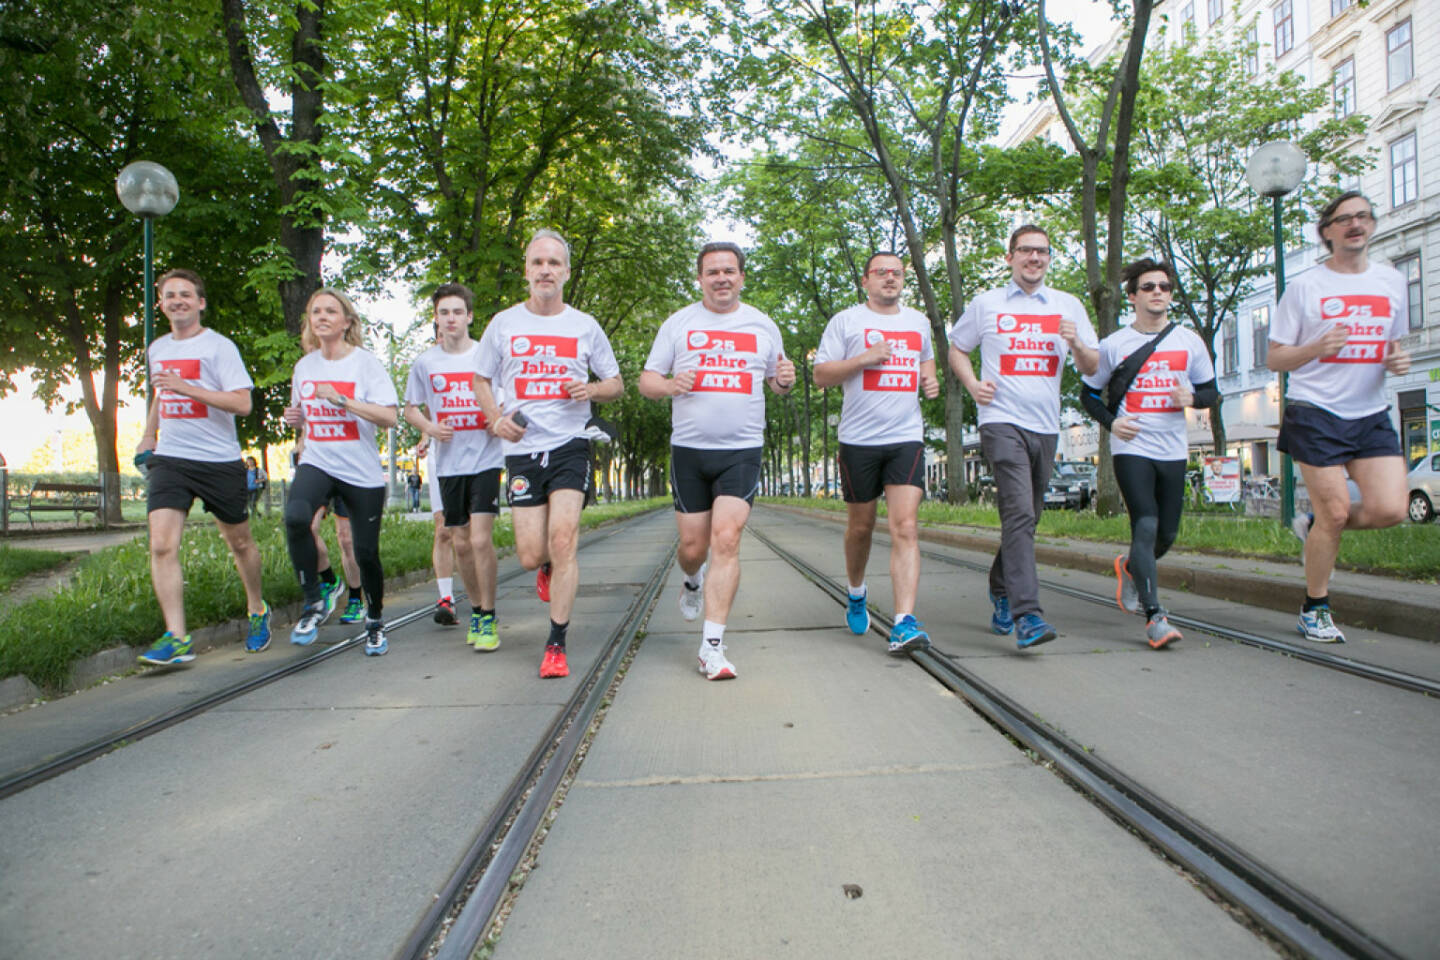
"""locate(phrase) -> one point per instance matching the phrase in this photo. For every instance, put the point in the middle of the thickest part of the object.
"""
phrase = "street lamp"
(1274, 171)
(148, 190)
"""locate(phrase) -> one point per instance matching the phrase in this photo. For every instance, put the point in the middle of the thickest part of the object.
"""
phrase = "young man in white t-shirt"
(1149, 444)
(1024, 331)
(200, 387)
(540, 354)
(881, 352)
(467, 457)
(1337, 331)
(711, 360)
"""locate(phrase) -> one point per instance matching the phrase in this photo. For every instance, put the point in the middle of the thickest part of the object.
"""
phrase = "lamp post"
(1274, 171)
(148, 190)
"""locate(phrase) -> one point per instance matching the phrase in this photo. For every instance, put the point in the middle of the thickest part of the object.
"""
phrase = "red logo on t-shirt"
(900, 381)
(722, 381)
(898, 339)
(1150, 390)
(1027, 344)
(541, 388)
(536, 345)
(1368, 318)
(174, 406)
(455, 400)
(324, 421)
(725, 340)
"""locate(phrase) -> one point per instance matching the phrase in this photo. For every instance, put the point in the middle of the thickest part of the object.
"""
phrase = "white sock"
(714, 633)
(694, 580)
(860, 591)
(445, 584)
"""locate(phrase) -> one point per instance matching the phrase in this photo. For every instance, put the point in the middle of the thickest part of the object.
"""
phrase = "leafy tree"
(92, 88)
(1199, 117)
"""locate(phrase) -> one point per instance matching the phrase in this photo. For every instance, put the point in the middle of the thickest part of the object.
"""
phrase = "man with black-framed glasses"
(1147, 429)
(1336, 332)
(881, 351)
(1024, 331)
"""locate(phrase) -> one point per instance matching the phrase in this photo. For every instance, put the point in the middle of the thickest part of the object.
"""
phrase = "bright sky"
(28, 426)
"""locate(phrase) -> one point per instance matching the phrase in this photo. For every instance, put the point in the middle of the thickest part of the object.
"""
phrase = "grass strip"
(1410, 551)
(109, 601)
(16, 562)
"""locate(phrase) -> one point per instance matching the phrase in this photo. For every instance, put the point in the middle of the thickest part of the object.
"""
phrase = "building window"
(1285, 27)
(1404, 171)
(1216, 9)
(1231, 346)
(1338, 7)
(1409, 268)
(1342, 85)
(1252, 50)
(1260, 335)
(1399, 58)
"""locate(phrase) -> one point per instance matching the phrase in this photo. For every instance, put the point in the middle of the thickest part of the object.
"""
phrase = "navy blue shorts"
(1320, 439)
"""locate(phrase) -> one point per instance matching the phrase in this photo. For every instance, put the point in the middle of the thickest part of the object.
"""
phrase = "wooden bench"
(76, 498)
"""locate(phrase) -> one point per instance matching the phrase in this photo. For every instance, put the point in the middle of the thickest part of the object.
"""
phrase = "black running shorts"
(470, 493)
(697, 477)
(174, 484)
(866, 471)
(1320, 439)
(533, 476)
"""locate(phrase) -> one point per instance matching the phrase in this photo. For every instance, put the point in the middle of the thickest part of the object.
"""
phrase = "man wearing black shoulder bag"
(1139, 393)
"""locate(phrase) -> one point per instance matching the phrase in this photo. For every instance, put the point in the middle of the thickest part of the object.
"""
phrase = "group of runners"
(520, 399)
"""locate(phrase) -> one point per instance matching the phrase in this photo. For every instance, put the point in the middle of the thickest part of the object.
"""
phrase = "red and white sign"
(1029, 344)
(1150, 391)
(722, 381)
(1368, 319)
(174, 406)
(1222, 479)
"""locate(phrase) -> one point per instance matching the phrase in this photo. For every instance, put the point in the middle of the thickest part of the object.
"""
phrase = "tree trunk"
(955, 489)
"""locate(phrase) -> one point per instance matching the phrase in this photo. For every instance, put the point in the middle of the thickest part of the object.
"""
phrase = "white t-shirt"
(1162, 424)
(189, 429)
(531, 358)
(1351, 383)
(336, 441)
(882, 403)
(732, 354)
(444, 384)
(1021, 351)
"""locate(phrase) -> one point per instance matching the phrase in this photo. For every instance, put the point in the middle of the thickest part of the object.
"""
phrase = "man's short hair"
(453, 290)
(181, 274)
(1131, 273)
(545, 233)
(719, 246)
(883, 253)
(1023, 229)
(1327, 213)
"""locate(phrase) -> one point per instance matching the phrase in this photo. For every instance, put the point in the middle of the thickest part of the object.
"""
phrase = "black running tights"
(311, 490)
(1154, 492)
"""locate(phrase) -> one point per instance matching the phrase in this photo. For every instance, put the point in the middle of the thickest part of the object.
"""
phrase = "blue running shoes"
(168, 650)
(1031, 630)
(857, 617)
(258, 638)
(305, 629)
(376, 644)
(909, 634)
(1000, 621)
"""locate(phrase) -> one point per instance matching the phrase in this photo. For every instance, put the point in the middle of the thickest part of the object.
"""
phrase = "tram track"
(1287, 912)
(18, 781)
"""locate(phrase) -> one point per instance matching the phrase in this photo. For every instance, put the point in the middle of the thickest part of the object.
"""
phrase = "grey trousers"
(1022, 462)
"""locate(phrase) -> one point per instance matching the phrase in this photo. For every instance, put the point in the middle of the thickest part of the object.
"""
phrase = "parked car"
(1067, 488)
(1424, 485)
(1082, 472)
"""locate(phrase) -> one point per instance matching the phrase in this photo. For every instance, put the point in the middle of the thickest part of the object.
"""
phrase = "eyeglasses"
(1361, 218)
(1038, 251)
(1162, 286)
(886, 272)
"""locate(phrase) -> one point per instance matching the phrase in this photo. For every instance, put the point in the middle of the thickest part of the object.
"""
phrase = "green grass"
(109, 600)
(1409, 550)
(16, 563)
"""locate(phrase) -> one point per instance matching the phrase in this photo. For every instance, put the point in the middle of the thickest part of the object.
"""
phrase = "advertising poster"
(1222, 479)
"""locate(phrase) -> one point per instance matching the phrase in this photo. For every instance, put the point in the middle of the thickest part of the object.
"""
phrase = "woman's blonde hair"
(354, 335)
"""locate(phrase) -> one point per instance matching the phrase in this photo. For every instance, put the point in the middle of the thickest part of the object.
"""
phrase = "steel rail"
(1286, 911)
(523, 805)
(70, 759)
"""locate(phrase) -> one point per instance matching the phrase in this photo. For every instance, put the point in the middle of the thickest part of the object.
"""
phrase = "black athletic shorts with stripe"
(866, 471)
(698, 476)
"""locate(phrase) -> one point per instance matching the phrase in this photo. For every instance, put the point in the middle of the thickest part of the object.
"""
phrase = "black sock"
(485, 613)
(557, 634)
(356, 593)
(1312, 602)
(327, 575)
(1150, 612)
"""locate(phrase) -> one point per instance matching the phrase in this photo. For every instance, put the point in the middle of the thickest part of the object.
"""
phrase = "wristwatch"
(344, 402)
